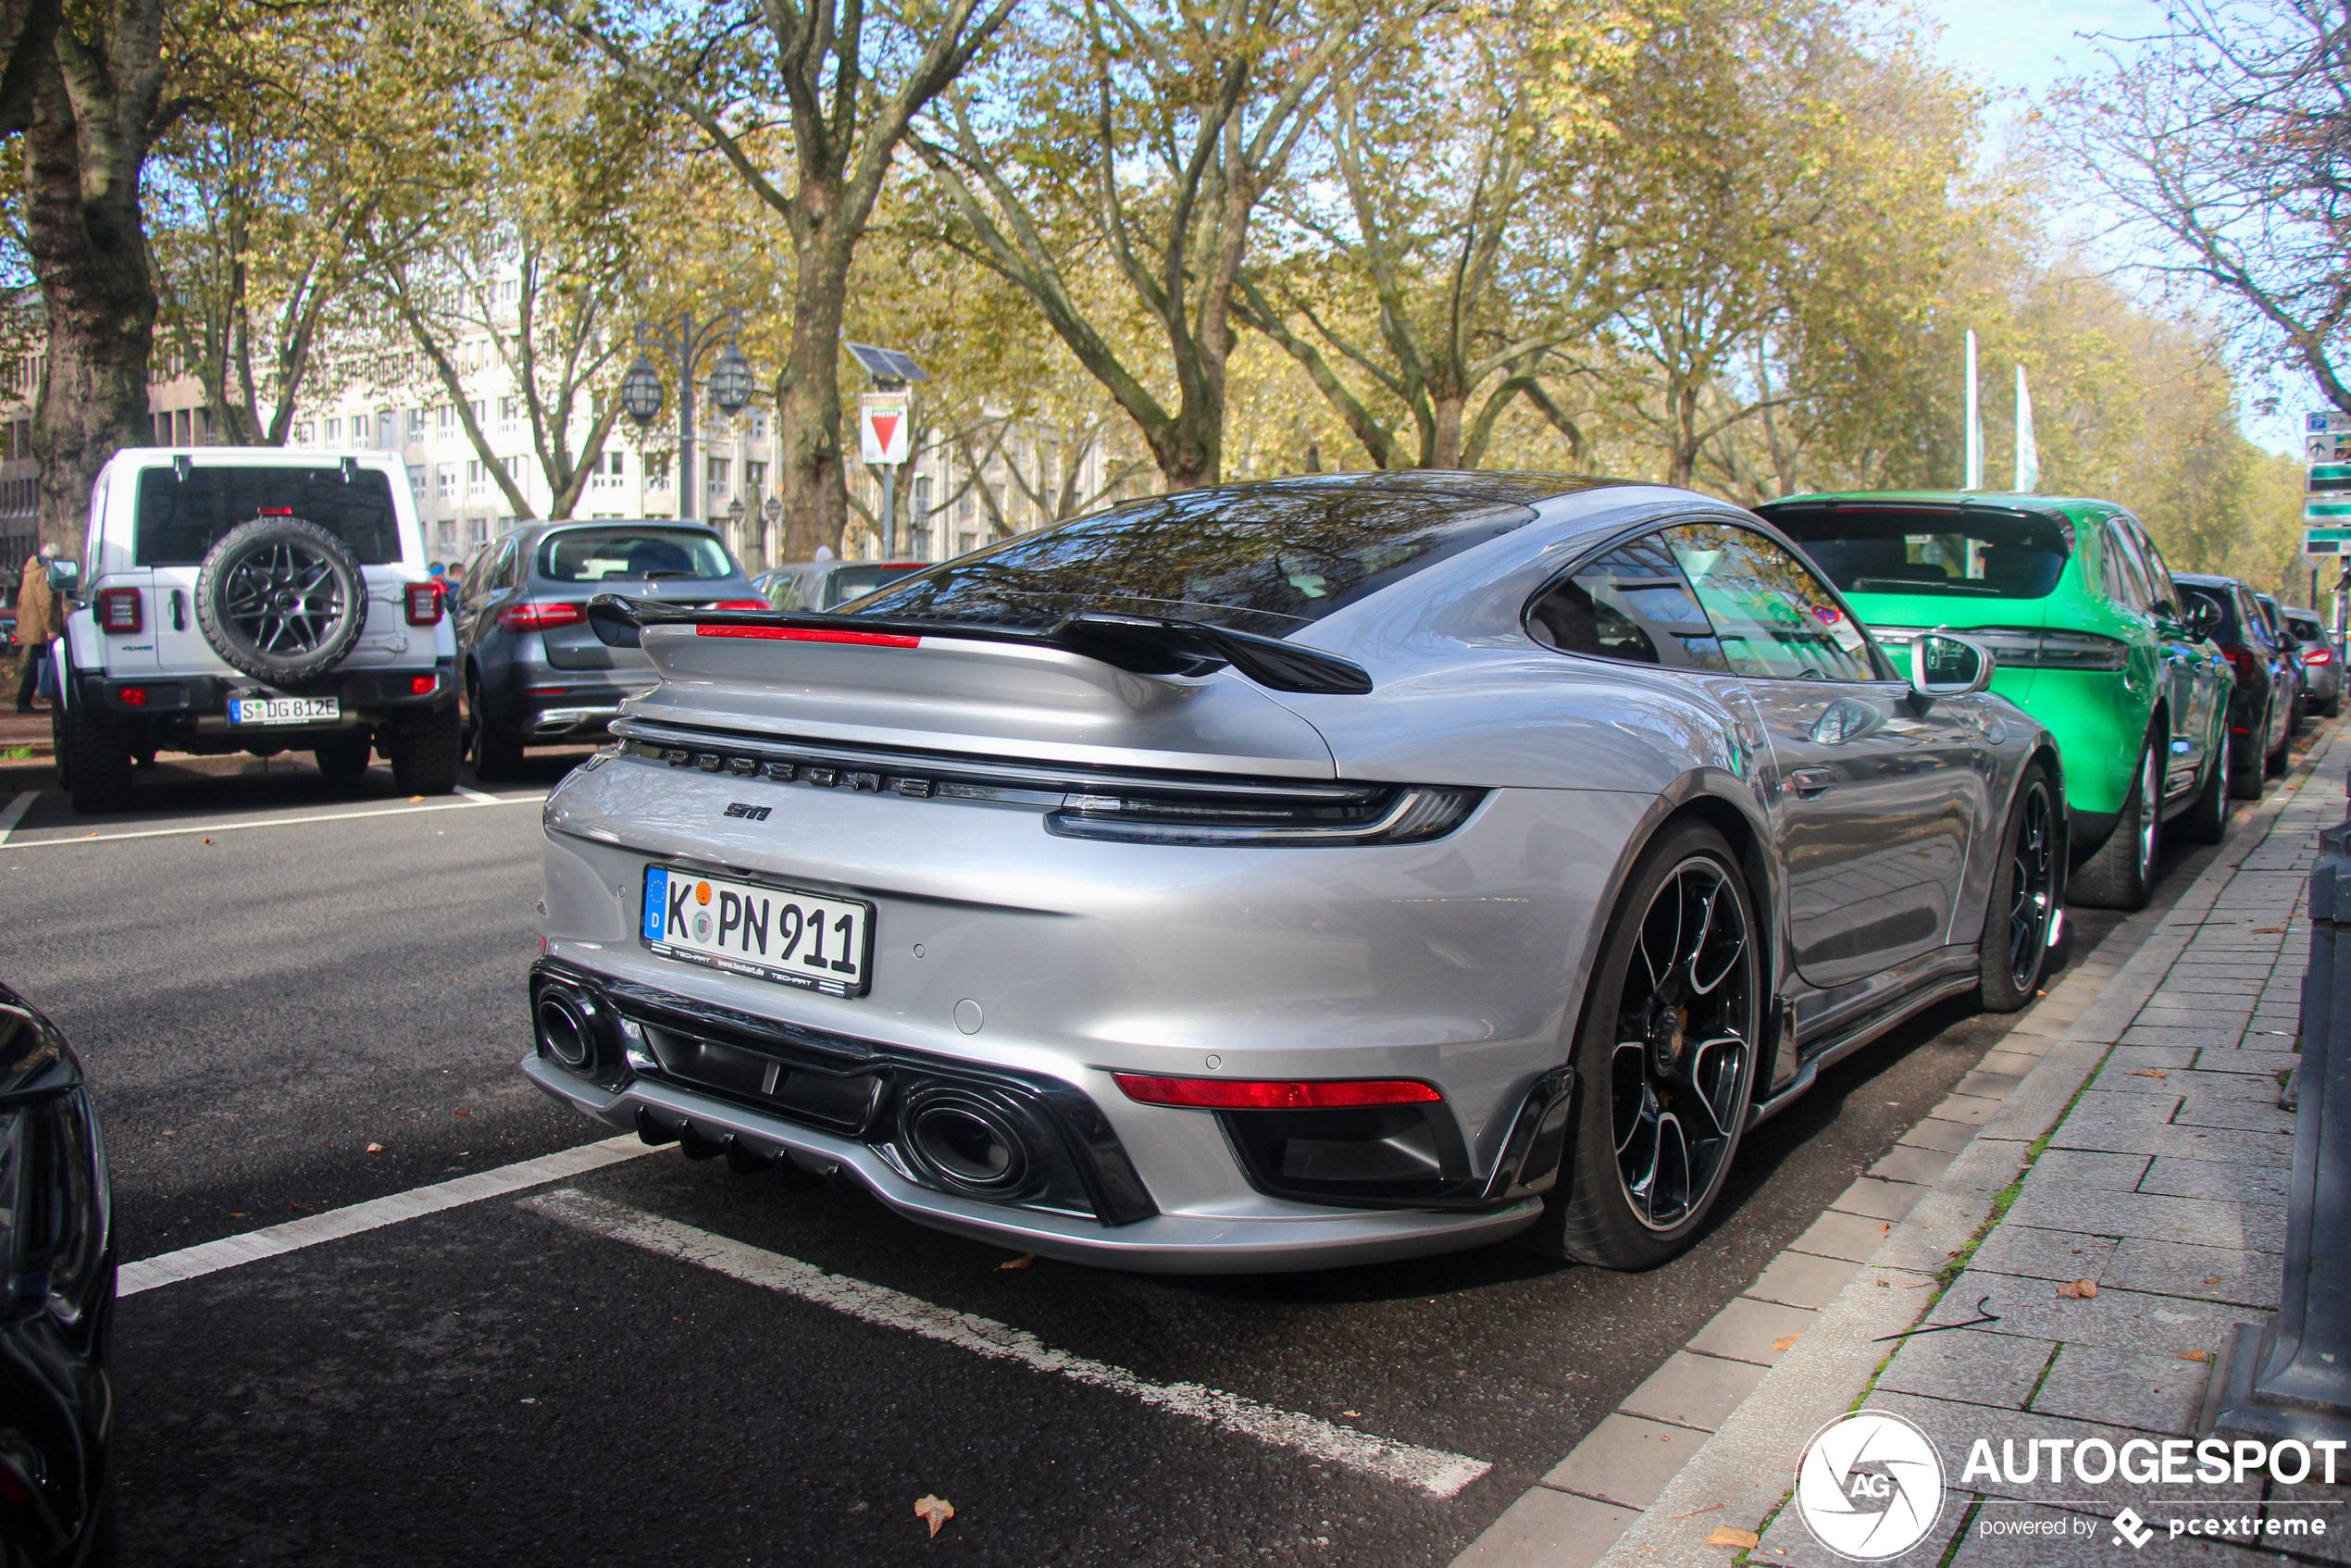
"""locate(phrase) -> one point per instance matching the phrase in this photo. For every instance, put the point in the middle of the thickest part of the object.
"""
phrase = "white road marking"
(1433, 1470)
(472, 793)
(277, 822)
(211, 1257)
(13, 813)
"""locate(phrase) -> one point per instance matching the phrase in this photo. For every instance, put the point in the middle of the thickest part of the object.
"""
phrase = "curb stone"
(1739, 1474)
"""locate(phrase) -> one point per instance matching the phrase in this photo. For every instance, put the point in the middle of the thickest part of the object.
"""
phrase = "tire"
(2277, 762)
(426, 751)
(2028, 889)
(97, 760)
(2121, 874)
(2332, 707)
(346, 757)
(2207, 819)
(1621, 1123)
(497, 750)
(2247, 779)
(280, 599)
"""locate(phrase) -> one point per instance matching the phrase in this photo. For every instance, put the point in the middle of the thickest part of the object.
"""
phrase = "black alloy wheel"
(281, 599)
(1666, 1058)
(2121, 874)
(1685, 1039)
(2028, 889)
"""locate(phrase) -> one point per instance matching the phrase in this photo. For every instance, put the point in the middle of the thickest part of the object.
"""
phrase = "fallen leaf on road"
(2215, 1279)
(2196, 1355)
(1710, 1508)
(2149, 1073)
(1727, 1535)
(415, 799)
(2079, 1290)
(1026, 1260)
(375, 1149)
(208, 841)
(1785, 1341)
(92, 834)
(937, 1511)
(1353, 1413)
(236, 1216)
(2269, 930)
(304, 1207)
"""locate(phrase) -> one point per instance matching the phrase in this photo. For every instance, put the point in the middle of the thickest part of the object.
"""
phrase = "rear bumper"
(1159, 1244)
(200, 702)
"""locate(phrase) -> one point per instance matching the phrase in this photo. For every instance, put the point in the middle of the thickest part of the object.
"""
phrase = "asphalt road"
(282, 972)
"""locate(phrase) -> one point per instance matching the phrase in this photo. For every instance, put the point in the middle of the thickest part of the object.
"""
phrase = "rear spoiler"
(1139, 644)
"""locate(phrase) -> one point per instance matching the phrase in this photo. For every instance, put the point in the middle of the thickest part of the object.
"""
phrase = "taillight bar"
(805, 634)
(424, 603)
(120, 610)
(742, 604)
(1274, 1094)
(539, 618)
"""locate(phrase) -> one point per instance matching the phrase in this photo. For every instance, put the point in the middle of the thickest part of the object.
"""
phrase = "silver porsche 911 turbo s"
(1287, 875)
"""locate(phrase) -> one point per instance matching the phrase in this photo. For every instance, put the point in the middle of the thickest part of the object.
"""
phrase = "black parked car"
(2260, 710)
(56, 1300)
(534, 672)
(2290, 646)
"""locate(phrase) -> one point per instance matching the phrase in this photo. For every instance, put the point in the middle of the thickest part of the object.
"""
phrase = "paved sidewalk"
(2128, 1134)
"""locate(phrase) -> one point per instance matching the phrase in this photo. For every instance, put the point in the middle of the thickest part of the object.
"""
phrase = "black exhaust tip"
(565, 1030)
(966, 1143)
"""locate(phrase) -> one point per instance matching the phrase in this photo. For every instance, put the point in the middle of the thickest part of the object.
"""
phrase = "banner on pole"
(883, 427)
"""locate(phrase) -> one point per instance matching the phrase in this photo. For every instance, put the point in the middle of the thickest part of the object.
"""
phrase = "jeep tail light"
(132, 696)
(540, 618)
(119, 610)
(424, 603)
(422, 685)
(1259, 1094)
(742, 604)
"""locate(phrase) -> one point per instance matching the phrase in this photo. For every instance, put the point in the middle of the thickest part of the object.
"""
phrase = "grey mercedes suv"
(535, 674)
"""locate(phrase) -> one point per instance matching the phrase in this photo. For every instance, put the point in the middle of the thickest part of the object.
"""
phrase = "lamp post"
(730, 384)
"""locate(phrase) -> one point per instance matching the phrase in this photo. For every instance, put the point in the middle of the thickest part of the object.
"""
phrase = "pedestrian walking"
(40, 619)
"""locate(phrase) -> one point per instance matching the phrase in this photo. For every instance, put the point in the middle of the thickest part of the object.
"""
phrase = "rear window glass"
(181, 520)
(1915, 550)
(851, 582)
(1264, 561)
(632, 555)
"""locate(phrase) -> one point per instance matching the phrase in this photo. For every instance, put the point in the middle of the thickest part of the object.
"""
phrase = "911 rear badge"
(749, 813)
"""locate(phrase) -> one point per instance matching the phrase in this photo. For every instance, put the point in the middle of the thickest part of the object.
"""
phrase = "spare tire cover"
(281, 599)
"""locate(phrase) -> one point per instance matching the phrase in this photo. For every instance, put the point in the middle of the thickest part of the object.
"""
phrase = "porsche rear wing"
(1138, 644)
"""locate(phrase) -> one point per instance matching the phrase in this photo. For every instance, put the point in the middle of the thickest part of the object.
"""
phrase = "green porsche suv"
(2090, 636)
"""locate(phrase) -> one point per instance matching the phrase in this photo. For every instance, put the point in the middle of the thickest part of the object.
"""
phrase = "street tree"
(2223, 141)
(1146, 136)
(850, 81)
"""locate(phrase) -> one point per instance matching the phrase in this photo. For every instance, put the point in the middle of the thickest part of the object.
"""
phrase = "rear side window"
(1265, 561)
(2126, 577)
(1632, 603)
(181, 520)
(2221, 599)
(1774, 617)
(1924, 550)
(632, 555)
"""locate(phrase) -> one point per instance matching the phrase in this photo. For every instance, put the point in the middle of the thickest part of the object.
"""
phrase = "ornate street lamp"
(730, 384)
(641, 392)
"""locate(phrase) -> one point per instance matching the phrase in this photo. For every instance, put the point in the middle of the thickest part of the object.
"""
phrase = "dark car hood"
(34, 1057)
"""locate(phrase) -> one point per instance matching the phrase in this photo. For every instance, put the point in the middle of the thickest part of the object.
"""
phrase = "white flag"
(1973, 470)
(2028, 454)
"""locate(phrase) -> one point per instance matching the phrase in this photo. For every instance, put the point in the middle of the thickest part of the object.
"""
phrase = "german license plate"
(791, 937)
(285, 710)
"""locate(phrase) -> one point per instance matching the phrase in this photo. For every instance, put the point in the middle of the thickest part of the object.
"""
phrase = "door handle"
(1810, 781)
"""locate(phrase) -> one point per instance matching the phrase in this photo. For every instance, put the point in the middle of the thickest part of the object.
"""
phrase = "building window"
(509, 411)
(963, 502)
(416, 424)
(918, 543)
(481, 410)
(448, 417)
(754, 475)
(388, 429)
(477, 531)
(720, 467)
(445, 480)
(657, 466)
(922, 495)
(607, 469)
(759, 427)
(475, 475)
(965, 542)
(416, 480)
(448, 537)
(334, 433)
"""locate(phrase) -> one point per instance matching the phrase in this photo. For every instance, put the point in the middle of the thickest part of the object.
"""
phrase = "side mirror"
(65, 576)
(1944, 665)
(2202, 619)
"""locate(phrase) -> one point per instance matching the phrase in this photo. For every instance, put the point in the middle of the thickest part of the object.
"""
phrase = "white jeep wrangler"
(251, 599)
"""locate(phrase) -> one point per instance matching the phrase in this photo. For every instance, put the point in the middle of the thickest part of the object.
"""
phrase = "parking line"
(13, 813)
(275, 822)
(1433, 1470)
(471, 794)
(211, 1257)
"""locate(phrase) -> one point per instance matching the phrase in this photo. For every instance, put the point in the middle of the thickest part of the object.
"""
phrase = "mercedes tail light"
(542, 618)
(120, 610)
(424, 603)
(2318, 657)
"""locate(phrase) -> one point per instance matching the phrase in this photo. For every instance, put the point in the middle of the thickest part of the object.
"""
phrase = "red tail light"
(119, 610)
(2248, 669)
(742, 604)
(422, 685)
(1258, 1094)
(2318, 656)
(424, 603)
(807, 634)
(132, 696)
(541, 617)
